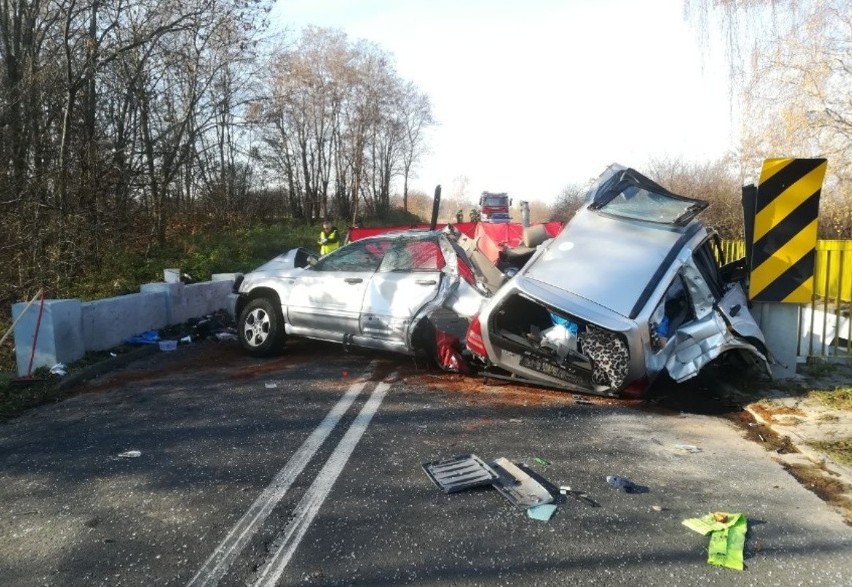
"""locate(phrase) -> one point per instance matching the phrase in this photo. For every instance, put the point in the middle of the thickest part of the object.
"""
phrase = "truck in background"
(494, 207)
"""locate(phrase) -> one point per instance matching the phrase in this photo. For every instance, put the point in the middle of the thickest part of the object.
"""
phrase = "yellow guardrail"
(832, 267)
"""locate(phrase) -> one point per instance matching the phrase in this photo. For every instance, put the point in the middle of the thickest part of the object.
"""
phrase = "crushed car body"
(630, 288)
(377, 292)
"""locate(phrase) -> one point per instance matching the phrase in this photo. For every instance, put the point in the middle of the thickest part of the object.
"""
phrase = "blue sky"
(532, 96)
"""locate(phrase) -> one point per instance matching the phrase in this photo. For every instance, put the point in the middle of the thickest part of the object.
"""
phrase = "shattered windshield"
(626, 193)
(641, 204)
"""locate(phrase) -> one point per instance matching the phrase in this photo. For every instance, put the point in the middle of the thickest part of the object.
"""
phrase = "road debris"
(130, 454)
(687, 448)
(578, 495)
(517, 486)
(168, 345)
(542, 512)
(58, 369)
(468, 471)
(541, 461)
(459, 473)
(625, 484)
(727, 537)
(148, 337)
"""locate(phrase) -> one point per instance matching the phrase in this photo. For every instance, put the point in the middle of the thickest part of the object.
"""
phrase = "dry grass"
(839, 451)
(838, 399)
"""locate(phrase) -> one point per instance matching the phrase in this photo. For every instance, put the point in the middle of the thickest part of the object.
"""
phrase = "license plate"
(548, 368)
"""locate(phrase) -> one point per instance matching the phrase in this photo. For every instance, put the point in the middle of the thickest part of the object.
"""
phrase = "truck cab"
(494, 207)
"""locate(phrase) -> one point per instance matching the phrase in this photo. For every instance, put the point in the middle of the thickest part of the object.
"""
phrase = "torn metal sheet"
(460, 473)
(517, 486)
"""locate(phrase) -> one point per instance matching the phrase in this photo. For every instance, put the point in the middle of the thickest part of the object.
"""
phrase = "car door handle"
(426, 282)
(353, 280)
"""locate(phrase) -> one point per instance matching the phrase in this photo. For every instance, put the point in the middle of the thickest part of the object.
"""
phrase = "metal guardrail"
(825, 324)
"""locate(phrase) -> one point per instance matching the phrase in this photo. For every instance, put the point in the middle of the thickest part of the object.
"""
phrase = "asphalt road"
(307, 470)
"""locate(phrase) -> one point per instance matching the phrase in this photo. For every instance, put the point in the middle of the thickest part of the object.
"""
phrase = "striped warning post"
(785, 230)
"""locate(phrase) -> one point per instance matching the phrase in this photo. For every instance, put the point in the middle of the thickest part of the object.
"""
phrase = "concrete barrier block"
(199, 299)
(778, 321)
(171, 294)
(109, 322)
(59, 338)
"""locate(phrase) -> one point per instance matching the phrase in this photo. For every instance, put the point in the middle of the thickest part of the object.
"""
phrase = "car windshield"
(494, 201)
(626, 193)
(641, 204)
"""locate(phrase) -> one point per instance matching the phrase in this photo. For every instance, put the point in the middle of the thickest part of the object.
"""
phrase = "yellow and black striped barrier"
(785, 230)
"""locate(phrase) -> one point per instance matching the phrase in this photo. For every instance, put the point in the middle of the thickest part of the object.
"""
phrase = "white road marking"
(215, 567)
(314, 497)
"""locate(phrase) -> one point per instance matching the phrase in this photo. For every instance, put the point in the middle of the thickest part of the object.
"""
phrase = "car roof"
(609, 261)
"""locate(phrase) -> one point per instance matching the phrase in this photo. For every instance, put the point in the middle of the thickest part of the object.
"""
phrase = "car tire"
(261, 328)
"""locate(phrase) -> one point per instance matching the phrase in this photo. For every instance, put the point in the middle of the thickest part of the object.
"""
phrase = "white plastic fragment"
(130, 454)
(271, 385)
(58, 369)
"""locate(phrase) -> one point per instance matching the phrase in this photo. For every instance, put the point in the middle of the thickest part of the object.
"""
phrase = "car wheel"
(261, 328)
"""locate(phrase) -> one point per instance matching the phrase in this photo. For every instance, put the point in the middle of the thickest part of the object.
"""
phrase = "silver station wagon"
(630, 287)
(379, 292)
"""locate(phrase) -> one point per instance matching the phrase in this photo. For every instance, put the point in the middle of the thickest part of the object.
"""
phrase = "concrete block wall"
(70, 328)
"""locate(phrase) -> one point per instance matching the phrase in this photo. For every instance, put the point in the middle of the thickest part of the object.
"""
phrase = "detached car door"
(328, 298)
(408, 279)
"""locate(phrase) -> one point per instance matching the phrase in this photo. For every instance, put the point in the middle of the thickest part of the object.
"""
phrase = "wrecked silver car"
(631, 287)
(378, 292)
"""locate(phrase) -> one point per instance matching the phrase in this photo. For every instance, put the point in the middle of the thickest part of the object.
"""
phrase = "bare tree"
(790, 65)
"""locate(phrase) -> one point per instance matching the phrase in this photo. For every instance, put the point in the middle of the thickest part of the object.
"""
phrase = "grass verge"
(838, 399)
(839, 451)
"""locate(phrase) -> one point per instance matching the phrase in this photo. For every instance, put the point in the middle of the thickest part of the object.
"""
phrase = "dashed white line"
(314, 497)
(215, 567)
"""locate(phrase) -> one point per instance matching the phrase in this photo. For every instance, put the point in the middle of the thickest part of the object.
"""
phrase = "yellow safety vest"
(331, 243)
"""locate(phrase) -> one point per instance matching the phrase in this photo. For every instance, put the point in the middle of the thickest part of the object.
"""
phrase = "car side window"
(358, 256)
(413, 256)
(709, 268)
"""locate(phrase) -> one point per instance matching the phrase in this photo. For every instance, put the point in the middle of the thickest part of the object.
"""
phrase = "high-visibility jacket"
(328, 241)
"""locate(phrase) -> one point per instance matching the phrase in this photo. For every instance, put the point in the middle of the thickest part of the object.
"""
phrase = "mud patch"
(782, 414)
(827, 488)
(762, 434)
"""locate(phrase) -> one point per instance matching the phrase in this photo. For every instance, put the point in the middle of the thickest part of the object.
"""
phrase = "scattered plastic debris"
(270, 385)
(542, 512)
(541, 461)
(658, 508)
(130, 454)
(187, 339)
(225, 336)
(168, 345)
(727, 537)
(687, 447)
(578, 495)
(515, 420)
(625, 484)
(149, 337)
(517, 486)
(113, 355)
(459, 473)
(58, 369)
(468, 471)
(579, 399)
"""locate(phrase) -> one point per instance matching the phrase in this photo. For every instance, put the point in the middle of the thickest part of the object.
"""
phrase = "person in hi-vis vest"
(328, 239)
